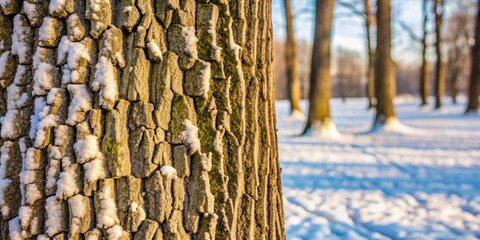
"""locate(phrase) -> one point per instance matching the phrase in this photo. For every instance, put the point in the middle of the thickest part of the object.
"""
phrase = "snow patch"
(115, 232)
(56, 6)
(190, 42)
(3, 63)
(77, 211)
(86, 149)
(168, 171)
(324, 129)
(53, 223)
(393, 125)
(80, 104)
(20, 39)
(47, 29)
(44, 79)
(15, 229)
(66, 184)
(107, 215)
(155, 50)
(190, 136)
(95, 169)
(105, 81)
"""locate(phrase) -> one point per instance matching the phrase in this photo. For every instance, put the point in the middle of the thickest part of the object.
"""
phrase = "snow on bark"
(95, 169)
(21, 38)
(54, 216)
(190, 137)
(168, 171)
(86, 149)
(81, 103)
(66, 184)
(190, 42)
(107, 214)
(155, 50)
(105, 81)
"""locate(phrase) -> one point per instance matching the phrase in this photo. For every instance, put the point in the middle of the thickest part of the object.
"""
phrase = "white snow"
(47, 30)
(46, 123)
(205, 78)
(128, 9)
(77, 211)
(3, 63)
(81, 103)
(56, 6)
(72, 53)
(95, 170)
(105, 81)
(86, 149)
(155, 49)
(168, 172)
(8, 123)
(16, 98)
(66, 184)
(417, 184)
(190, 42)
(20, 38)
(15, 229)
(62, 49)
(190, 136)
(53, 221)
(115, 232)
(325, 129)
(44, 79)
(75, 30)
(53, 170)
(107, 215)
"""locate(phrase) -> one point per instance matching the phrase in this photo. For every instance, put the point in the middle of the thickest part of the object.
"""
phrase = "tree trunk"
(440, 66)
(384, 76)
(371, 56)
(291, 60)
(320, 79)
(453, 71)
(474, 89)
(130, 120)
(424, 83)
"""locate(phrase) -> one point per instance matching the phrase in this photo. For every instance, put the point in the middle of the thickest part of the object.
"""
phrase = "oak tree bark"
(384, 73)
(474, 89)
(320, 79)
(291, 60)
(138, 120)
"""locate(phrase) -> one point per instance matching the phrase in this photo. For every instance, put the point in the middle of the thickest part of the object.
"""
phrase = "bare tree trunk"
(320, 79)
(453, 71)
(474, 89)
(371, 56)
(424, 83)
(291, 60)
(384, 77)
(128, 120)
(440, 66)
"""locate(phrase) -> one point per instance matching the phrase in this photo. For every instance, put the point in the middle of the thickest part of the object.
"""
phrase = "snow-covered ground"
(422, 182)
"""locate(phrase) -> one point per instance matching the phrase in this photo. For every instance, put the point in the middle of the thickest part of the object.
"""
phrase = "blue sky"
(348, 32)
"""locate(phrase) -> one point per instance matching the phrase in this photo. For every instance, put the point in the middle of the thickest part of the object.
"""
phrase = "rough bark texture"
(291, 60)
(439, 65)
(102, 98)
(371, 57)
(474, 90)
(424, 86)
(384, 75)
(320, 79)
